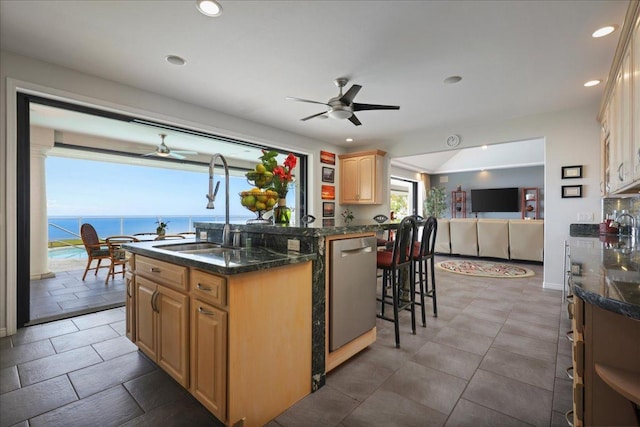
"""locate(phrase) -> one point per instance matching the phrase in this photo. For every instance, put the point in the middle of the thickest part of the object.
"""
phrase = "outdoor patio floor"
(67, 295)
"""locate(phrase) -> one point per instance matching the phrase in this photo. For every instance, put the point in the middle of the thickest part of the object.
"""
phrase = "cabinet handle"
(154, 301)
(203, 311)
(129, 288)
(569, 335)
(155, 270)
(620, 177)
(203, 288)
(569, 372)
(568, 416)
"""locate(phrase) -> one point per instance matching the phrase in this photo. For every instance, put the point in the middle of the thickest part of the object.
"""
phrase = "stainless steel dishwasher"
(352, 289)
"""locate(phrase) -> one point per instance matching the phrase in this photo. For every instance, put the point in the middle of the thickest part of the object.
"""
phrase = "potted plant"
(161, 229)
(435, 203)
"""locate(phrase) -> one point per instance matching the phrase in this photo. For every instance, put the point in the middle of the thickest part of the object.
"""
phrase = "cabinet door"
(145, 316)
(173, 333)
(349, 180)
(626, 97)
(130, 322)
(367, 179)
(209, 356)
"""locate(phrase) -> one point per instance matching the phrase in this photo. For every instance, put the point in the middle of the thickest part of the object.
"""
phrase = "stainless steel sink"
(198, 248)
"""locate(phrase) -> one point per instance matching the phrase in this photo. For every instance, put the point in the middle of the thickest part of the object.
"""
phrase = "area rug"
(485, 269)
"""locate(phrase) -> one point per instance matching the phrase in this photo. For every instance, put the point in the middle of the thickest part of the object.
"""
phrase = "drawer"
(209, 287)
(579, 316)
(172, 275)
(578, 404)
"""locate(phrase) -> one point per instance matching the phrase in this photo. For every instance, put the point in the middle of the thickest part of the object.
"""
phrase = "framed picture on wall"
(571, 172)
(569, 191)
(328, 222)
(328, 174)
(327, 158)
(328, 209)
(328, 192)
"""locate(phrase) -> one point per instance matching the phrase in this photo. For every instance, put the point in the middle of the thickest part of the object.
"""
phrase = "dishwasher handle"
(356, 251)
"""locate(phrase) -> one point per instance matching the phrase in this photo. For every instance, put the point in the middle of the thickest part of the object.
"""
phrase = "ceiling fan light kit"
(342, 106)
(163, 150)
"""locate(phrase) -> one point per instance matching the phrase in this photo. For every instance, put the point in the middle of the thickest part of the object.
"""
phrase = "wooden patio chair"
(96, 249)
(118, 254)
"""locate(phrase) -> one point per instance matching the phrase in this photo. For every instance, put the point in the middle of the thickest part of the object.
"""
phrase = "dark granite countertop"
(310, 230)
(235, 261)
(606, 273)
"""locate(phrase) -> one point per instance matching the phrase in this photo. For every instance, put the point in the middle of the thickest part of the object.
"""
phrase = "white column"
(41, 142)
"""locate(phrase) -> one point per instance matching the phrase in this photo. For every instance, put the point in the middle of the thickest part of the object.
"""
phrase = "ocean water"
(61, 228)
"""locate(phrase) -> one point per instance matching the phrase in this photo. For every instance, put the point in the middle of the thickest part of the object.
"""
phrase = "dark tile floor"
(495, 356)
(67, 295)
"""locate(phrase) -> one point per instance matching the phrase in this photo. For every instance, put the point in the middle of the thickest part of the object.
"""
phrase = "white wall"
(31, 76)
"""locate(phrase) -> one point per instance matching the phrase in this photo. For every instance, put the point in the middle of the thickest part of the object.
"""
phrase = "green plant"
(162, 226)
(435, 203)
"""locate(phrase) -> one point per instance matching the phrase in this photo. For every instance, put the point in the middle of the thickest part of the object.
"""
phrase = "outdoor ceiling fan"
(163, 151)
(342, 106)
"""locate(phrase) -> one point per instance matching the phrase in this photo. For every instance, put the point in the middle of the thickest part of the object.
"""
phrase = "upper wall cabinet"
(361, 178)
(620, 112)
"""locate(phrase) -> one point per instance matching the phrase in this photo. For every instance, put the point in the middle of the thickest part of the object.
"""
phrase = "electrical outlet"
(293, 245)
(585, 216)
(203, 235)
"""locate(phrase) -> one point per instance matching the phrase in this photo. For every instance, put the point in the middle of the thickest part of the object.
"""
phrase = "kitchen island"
(605, 278)
(231, 325)
(266, 300)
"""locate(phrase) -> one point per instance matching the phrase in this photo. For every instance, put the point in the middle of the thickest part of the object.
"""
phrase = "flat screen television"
(495, 200)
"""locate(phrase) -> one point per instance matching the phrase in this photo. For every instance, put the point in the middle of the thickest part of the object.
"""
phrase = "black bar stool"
(397, 273)
(424, 251)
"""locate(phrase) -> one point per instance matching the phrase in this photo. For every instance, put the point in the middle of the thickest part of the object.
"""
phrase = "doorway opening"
(119, 186)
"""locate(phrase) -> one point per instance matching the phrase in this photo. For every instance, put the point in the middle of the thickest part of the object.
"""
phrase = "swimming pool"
(68, 252)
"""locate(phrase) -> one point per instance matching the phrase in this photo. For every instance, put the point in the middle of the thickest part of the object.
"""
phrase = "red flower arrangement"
(282, 175)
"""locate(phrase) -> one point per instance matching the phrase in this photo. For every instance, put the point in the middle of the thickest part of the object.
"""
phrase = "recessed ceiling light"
(604, 31)
(484, 147)
(592, 83)
(175, 60)
(349, 139)
(452, 80)
(209, 7)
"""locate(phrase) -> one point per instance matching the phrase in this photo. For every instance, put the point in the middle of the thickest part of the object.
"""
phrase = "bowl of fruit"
(260, 177)
(260, 201)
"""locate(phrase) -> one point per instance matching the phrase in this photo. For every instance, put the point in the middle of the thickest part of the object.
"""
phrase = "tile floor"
(495, 356)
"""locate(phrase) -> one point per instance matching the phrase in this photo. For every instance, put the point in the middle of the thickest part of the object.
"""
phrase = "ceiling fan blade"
(363, 107)
(315, 115)
(149, 154)
(176, 156)
(289, 98)
(347, 98)
(194, 153)
(353, 119)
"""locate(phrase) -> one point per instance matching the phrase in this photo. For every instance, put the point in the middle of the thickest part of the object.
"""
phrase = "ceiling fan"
(163, 151)
(342, 106)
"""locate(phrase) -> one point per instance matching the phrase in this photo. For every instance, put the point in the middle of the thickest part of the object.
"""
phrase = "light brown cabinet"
(361, 177)
(130, 317)
(228, 339)
(162, 317)
(209, 357)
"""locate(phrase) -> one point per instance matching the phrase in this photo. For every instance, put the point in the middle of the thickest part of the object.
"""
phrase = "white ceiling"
(516, 58)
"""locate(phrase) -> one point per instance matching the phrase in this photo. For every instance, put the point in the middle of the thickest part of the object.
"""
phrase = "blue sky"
(83, 187)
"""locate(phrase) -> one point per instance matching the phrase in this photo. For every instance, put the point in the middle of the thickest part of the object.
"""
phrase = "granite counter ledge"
(609, 274)
(234, 262)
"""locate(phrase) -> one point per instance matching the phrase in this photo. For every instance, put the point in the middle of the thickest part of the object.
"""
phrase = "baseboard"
(554, 286)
